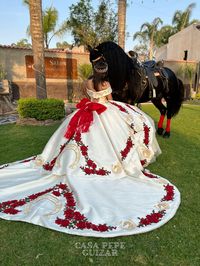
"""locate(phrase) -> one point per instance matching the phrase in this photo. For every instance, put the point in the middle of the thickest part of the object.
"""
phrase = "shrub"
(41, 109)
(197, 96)
(85, 70)
(2, 73)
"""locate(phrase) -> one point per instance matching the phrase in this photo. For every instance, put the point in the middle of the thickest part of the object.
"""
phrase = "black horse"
(126, 76)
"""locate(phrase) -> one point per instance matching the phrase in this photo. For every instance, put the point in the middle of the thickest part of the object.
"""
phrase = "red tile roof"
(51, 50)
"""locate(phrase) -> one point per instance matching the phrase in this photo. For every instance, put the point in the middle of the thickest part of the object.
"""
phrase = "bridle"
(97, 68)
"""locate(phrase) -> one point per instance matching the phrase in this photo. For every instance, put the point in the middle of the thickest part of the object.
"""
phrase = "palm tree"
(35, 9)
(181, 19)
(148, 32)
(121, 22)
(50, 28)
(50, 18)
(50, 21)
(163, 35)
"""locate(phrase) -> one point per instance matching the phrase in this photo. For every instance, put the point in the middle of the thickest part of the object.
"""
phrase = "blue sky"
(14, 16)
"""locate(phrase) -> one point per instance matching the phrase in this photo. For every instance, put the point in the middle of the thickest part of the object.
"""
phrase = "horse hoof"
(160, 130)
(166, 135)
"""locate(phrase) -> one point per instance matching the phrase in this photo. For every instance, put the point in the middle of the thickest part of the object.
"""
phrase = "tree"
(105, 23)
(50, 24)
(121, 22)
(162, 36)
(148, 32)
(142, 50)
(181, 19)
(50, 21)
(187, 73)
(89, 27)
(35, 9)
(63, 45)
(50, 18)
(23, 43)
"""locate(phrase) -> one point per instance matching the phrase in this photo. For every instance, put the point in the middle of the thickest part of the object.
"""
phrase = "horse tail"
(176, 93)
(178, 98)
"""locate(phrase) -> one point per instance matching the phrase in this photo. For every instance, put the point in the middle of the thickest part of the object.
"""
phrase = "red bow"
(82, 119)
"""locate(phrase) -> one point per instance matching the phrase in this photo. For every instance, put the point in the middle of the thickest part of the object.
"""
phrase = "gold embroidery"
(162, 205)
(131, 132)
(146, 153)
(77, 155)
(142, 118)
(117, 168)
(56, 175)
(162, 181)
(129, 119)
(138, 126)
(51, 198)
(128, 224)
(39, 161)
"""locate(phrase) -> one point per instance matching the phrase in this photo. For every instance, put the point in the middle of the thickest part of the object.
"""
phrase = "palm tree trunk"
(121, 22)
(151, 46)
(46, 41)
(35, 9)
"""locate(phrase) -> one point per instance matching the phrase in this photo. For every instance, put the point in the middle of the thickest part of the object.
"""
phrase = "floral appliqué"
(73, 219)
(49, 165)
(22, 161)
(126, 150)
(170, 193)
(129, 106)
(121, 108)
(154, 217)
(91, 166)
(146, 134)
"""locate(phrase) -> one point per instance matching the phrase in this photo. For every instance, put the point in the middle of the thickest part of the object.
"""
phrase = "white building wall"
(195, 52)
(186, 40)
(161, 53)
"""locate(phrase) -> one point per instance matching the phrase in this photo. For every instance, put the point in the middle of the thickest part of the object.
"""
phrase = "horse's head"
(111, 63)
(136, 62)
(99, 65)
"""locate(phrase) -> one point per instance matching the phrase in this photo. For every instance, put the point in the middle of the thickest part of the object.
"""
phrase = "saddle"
(154, 69)
(149, 71)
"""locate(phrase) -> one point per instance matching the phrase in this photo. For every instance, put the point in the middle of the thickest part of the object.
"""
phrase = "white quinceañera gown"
(90, 179)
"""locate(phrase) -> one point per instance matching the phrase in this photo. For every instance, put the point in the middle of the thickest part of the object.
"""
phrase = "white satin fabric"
(115, 197)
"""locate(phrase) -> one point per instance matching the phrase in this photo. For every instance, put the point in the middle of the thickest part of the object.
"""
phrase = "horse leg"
(167, 129)
(158, 104)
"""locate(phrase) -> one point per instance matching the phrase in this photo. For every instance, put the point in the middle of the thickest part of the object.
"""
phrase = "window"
(185, 55)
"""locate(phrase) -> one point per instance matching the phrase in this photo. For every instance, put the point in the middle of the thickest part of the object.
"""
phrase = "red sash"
(83, 118)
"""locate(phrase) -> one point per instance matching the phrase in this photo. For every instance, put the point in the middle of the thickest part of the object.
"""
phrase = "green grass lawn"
(175, 243)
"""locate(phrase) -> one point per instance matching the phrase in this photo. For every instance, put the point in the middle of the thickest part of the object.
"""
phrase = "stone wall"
(14, 63)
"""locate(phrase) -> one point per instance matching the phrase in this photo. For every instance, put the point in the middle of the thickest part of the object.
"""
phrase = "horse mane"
(120, 65)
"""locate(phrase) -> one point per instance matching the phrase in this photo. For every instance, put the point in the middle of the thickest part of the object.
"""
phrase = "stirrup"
(152, 93)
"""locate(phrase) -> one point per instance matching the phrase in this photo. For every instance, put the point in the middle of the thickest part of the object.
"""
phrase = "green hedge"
(41, 109)
(197, 96)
